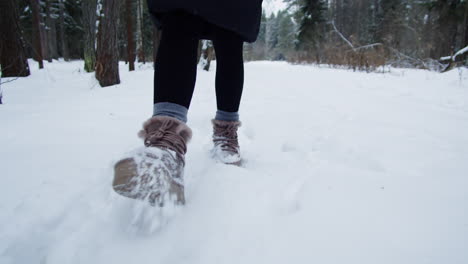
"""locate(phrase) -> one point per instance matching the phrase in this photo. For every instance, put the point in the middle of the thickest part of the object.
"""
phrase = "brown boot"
(226, 145)
(155, 173)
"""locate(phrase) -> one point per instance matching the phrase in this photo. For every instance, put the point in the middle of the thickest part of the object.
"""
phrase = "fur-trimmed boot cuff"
(166, 132)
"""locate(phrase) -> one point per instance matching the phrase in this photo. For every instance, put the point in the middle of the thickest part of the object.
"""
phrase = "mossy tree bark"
(107, 59)
(88, 8)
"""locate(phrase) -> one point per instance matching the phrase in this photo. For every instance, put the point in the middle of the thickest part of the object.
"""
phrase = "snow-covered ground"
(342, 167)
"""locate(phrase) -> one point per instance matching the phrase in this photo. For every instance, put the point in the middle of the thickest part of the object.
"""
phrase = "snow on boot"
(155, 172)
(226, 145)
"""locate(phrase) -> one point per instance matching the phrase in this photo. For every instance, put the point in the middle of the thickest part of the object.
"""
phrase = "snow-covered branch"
(341, 35)
(454, 57)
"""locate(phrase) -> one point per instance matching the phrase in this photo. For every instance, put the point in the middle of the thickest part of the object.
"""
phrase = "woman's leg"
(229, 73)
(176, 65)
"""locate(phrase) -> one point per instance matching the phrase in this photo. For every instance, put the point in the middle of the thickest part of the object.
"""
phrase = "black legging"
(176, 63)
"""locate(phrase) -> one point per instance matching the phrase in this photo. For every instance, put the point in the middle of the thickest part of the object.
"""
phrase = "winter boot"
(226, 145)
(155, 172)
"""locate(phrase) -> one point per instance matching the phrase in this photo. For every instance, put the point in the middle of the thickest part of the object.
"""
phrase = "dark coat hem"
(245, 22)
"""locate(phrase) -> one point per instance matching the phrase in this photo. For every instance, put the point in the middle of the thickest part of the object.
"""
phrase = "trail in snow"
(342, 167)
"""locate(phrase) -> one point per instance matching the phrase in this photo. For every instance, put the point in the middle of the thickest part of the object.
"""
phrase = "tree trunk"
(12, 56)
(207, 54)
(63, 41)
(53, 40)
(139, 32)
(107, 64)
(36, 32)
(88, 8)
(130, 35)
(464, 33)
(45, 29)
(51, 32)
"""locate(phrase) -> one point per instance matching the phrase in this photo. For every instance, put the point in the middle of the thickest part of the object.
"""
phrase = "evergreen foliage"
(362, 34)
(313, 18)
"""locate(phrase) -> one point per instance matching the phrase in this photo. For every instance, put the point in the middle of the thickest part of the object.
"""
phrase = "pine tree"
(311, 30)
(13, 61)
(286, 34)
(271, 35)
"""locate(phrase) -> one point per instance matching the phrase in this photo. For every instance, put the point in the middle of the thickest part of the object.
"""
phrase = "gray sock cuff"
(170, 109)
(227, 116)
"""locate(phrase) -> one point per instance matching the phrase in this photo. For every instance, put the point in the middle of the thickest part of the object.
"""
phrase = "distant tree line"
(361, 34)
(364, 34)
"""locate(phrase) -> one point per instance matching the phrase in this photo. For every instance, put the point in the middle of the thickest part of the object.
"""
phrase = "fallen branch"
(335, 29)
(341, 35)
(368, 46)
(410, 58)
(452, 60)
(454, 57)
(355, 50)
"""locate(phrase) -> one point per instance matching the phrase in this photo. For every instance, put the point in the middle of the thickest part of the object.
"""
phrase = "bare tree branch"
(341, 35)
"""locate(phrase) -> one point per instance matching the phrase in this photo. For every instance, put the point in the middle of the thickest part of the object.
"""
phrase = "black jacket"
(240, 16)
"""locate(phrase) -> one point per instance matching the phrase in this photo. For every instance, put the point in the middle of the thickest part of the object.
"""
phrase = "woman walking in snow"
(155, 172)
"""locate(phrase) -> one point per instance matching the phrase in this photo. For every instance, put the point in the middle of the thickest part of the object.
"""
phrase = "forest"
(357, 34)
(352, 132)
(365, 34)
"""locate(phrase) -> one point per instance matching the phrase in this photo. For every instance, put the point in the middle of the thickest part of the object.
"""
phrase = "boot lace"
(164, 137)
(225, 136)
